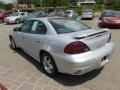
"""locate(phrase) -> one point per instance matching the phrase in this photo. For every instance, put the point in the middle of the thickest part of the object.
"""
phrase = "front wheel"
(48, 64)
(101, 25)
(1, 21)
(17, 21)
(13, 45)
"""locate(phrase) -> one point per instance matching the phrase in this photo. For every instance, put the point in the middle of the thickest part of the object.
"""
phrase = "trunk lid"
(94, 39)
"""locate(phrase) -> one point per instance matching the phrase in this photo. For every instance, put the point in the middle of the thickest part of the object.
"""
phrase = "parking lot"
(18, 71)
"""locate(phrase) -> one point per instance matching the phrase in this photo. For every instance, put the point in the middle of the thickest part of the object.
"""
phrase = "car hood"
(112, 18)
(93, 38)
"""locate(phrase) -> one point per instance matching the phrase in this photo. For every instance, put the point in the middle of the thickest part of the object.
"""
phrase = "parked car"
(3, 15)
(63, 44)
(104, 12)
(34, 15)
(111, 19)
(71, 14)
(16, 17)
(87, 14)
(54, 13)
(2, 87)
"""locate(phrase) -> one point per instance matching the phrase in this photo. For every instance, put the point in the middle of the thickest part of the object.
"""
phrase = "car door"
(22, 35)
(35, 39)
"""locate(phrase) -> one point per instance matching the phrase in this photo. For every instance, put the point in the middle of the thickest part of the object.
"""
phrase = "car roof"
(47, 18)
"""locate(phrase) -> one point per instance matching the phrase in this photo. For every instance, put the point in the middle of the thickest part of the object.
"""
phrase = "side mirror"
(17, 29)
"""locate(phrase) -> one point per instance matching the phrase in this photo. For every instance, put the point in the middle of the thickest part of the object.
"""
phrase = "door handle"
(38, 41)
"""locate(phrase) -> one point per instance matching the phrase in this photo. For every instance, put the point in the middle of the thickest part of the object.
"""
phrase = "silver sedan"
(63, 45)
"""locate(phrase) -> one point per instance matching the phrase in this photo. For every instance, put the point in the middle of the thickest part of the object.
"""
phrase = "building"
(22, 6)
(86, 3)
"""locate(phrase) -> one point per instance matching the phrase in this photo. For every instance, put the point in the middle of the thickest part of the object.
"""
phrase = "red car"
(3, 87)
(4, 15)
(111, 20)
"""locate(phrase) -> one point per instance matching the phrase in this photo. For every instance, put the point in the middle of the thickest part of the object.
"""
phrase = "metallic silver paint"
(54, 44)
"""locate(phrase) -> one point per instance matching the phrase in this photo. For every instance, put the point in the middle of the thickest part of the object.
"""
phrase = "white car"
(16, 17)
(63, 45)
(71, 14)
(87, 14)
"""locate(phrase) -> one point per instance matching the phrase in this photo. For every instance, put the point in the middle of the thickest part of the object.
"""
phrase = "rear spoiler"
(95, 34)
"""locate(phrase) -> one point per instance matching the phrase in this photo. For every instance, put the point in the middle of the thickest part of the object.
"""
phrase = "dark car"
(111, 19)
(34, 15)
(3, 15)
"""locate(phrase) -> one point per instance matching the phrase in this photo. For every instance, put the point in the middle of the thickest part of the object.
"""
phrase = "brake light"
(109, 39)
(76, 48)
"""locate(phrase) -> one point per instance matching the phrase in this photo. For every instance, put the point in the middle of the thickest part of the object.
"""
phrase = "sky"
(7, 1)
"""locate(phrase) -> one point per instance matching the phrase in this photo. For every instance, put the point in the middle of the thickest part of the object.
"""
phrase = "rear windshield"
(63, 25)
(67, 12)
(87, 11)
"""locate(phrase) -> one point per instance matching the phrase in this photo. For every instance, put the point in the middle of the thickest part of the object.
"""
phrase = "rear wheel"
(48, 64)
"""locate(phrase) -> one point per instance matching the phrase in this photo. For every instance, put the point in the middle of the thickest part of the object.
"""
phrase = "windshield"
(62, 26)
(0, 12)
(111, 14)
(15, 14)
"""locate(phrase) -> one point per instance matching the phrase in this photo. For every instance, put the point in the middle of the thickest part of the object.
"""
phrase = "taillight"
(76, 48)
(109, 39)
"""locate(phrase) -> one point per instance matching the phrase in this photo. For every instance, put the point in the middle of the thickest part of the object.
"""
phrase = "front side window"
(63, 25)
(38, 27)
(15, 14)
(26, 26)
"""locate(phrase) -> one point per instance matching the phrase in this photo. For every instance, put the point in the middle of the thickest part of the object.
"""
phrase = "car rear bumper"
(86, 16)
(83, 63)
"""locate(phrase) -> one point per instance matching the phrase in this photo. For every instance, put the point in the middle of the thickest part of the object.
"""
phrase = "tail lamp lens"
(76, 48)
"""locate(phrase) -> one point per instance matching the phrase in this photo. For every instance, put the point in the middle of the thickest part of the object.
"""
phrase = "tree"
(2, 5)
(112, 4)
(8, 6)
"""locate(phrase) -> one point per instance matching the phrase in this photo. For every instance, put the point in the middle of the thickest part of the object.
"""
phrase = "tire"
(13, 45)
(17, 21)
(1, 21)
(101, 25)
(48, 65)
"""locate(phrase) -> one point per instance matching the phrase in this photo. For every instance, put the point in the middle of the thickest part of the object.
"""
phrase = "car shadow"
(64, 79)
